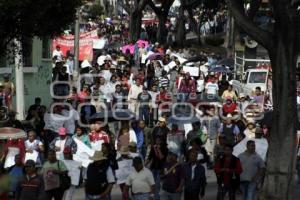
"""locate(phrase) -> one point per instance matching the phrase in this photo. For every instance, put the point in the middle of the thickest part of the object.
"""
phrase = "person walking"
(31, 185)
(253, 171)
(195, 179)
(156, 160)
(51, 170)
(141, 181)
(172, 178)
(228, 169)
(99, 178)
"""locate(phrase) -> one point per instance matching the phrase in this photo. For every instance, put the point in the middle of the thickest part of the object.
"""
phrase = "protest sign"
(194, 71)
(260, 144)
(187, 128)
(83, 148)
(83, 158)
(31, 156)
(73, 171)
(10, 157)
(66, 43)
(99, 43)
(125, 167)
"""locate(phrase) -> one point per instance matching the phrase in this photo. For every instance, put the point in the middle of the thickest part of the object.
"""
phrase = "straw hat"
(162, 119)
(250, 121)
(98, 156)
(122, 59)
(124, 150)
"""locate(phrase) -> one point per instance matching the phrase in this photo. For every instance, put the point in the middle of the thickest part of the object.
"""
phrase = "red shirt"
(227, 175)
(163, 97)
(229, 108)
(100, 135)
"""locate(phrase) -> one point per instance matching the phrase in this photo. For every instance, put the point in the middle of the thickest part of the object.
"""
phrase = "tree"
(162, 13)
(136, 15)
(94, 11)
(28, 18)
(282, 44)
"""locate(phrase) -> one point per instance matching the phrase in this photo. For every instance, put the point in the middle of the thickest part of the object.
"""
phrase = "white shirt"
(153, 98)
(141, 181)
(200, 85)
(71, 117)
(70, 66)
(106, 74)
(58, 54)
(60, 144)
(211, 88)
(134, 91)
(34, 145)
(53, 121)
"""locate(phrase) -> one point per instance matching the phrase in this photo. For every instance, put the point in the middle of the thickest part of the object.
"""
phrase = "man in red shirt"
(163, 100)
(229, 107)
(228, 169)
(98, 134)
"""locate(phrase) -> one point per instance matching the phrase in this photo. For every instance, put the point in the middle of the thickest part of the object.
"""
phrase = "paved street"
(211, 190)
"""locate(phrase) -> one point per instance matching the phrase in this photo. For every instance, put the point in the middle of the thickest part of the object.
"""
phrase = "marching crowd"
(149, 153)
(148, 156)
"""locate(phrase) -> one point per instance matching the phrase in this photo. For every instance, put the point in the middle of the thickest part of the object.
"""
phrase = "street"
(211, 190)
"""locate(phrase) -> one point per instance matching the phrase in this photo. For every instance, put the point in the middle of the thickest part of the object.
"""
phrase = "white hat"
(242, 95)
(85, 64)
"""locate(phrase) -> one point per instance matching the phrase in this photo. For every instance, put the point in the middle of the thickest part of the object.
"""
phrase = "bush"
(214, 41)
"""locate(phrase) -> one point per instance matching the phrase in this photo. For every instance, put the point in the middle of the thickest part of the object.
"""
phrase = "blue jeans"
(249, 190)
(170, 196)
(144, 114)
(156, 175)
(141, 196)
(182, 97)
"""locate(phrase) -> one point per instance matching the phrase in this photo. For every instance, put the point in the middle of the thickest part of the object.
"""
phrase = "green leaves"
(28, 18)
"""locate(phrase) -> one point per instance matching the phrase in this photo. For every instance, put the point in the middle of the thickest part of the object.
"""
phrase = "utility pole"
(20, 98)
(76, 45)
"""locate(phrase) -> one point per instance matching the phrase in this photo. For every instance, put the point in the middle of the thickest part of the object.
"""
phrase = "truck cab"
(252, 78)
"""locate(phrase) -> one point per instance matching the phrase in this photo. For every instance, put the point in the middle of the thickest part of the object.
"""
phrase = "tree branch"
(254, 6)
(259, 35)
(156, 10)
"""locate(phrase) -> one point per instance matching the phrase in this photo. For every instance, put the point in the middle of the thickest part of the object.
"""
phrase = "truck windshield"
(257, 77)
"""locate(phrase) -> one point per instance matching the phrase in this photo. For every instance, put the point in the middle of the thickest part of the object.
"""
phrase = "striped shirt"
(163, 82)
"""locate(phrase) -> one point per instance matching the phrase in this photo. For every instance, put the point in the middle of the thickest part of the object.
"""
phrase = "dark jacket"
(96, 182)
(161, 132)
(231, 178)
(199, 180)
(30, 188)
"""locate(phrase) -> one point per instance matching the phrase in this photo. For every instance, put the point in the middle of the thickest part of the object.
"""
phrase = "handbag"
(64, 180)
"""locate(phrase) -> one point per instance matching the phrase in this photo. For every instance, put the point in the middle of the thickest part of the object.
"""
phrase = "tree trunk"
(135, 25)
(180, 34)
(283, 139)
(161, 35)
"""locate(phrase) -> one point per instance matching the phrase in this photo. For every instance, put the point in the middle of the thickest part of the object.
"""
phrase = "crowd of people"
(150, 153)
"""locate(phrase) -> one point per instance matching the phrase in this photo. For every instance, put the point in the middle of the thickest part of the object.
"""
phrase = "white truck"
(253, 78)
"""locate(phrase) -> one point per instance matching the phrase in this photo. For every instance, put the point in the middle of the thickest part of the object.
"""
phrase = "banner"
(66, 43)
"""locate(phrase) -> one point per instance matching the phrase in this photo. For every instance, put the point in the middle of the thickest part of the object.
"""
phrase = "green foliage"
(214, 41)
(28, 18)
(95, 11)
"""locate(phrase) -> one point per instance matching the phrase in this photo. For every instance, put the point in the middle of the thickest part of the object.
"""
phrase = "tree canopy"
(28, 18)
